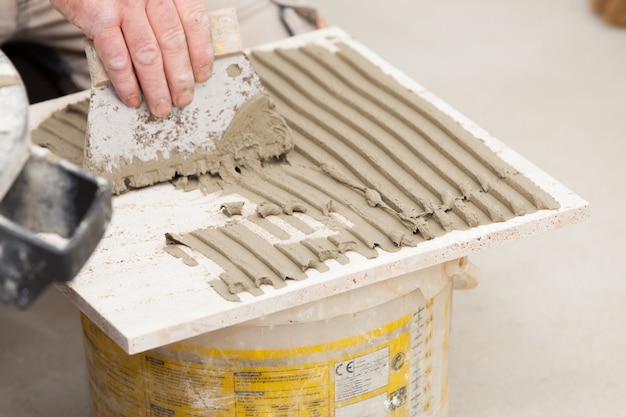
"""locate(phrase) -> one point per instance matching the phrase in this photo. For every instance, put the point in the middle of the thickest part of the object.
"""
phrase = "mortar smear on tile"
(366, 149)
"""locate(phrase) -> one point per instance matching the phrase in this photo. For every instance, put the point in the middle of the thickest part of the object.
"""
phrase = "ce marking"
(344, 368)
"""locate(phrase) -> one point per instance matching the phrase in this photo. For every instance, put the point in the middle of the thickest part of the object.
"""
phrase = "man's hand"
(162, 45)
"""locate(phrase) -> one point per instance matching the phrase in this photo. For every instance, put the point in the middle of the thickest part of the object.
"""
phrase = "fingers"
(147, 60)
(170, 35)
(160, 47)
(194, 18)
(171, 52)
(111, 47)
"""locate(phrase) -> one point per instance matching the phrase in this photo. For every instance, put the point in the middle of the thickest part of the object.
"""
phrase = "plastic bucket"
(380, 350)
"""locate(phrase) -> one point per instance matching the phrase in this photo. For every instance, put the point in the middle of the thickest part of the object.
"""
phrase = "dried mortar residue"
(257, 132)
(374, 162)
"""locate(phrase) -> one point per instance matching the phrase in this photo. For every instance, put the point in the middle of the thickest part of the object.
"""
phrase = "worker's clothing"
(31, 24)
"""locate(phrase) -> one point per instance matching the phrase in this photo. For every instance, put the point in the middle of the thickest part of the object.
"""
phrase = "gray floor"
(543, 334)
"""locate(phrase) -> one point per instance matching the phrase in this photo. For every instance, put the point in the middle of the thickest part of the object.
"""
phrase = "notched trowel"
(231, 119)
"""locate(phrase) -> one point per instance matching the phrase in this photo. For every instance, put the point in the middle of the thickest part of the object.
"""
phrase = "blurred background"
(543, 333)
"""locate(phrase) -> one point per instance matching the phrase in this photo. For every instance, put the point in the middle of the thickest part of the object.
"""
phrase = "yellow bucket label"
(380, 373)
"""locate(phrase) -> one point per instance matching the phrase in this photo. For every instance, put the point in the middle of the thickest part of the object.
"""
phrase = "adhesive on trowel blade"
(257, 133)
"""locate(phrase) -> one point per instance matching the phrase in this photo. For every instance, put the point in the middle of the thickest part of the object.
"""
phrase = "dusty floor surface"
(542, 335)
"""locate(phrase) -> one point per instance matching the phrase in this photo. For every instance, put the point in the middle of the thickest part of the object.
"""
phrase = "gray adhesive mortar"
(373, 161)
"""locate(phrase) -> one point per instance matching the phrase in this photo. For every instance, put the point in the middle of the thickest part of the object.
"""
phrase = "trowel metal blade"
(132, 148)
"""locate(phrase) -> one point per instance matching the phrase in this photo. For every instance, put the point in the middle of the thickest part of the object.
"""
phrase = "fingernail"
(133, 100)
(163, 108)
(202, 74)
(184, 98)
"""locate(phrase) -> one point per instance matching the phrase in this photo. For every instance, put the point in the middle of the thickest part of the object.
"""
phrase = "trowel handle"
(97, 72)
(225, 35)
(225, 38)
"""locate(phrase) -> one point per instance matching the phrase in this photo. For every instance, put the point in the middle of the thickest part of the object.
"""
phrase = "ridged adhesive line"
(375, 166)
